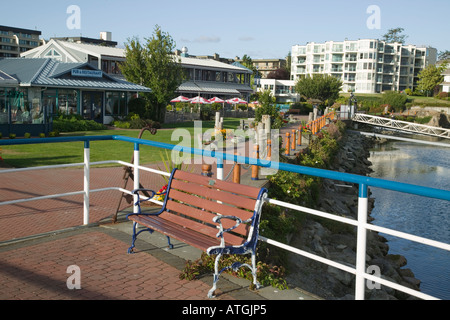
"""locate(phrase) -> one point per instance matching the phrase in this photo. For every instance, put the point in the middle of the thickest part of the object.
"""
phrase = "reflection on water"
(430, 218)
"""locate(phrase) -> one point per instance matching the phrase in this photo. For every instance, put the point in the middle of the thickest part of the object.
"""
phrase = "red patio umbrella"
(180, 99)
(199, 100)
(216, 100)
(236, 101)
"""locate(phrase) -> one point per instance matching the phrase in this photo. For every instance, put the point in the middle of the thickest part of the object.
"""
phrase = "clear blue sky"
(258, 28)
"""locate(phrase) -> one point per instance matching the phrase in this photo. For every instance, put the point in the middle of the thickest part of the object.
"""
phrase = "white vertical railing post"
(86, 183)
(361, 242)
(219, 168)
(136, 175)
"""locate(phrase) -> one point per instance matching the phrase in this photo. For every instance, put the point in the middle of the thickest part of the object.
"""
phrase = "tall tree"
(323, 87)
(430, 78)
(395, 35)
(155, 66)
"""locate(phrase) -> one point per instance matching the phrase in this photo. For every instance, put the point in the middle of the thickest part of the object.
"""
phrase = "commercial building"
(266, 66)
(364, 66)
(75, 50)
(33, 91)
(209, 78)
(205, 77)
(14, 41)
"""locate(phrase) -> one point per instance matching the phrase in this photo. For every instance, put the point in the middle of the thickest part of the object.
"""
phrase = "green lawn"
(32, 155)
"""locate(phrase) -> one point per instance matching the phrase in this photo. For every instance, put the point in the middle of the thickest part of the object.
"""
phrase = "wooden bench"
(215, 216)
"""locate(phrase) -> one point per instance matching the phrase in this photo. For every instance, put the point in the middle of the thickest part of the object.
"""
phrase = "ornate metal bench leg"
(168, 241)
(130, 249)
(135, 235)
(255, 282)
(216, 277)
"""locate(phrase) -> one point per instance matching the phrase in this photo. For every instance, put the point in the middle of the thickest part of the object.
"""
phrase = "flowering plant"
(160, 195)
(225, 133)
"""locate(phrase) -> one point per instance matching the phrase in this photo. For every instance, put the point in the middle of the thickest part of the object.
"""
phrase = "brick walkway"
(38, 270)
(35, 267)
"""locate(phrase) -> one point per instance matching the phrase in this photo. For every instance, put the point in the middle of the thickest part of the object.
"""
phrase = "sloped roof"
(76, 50)
(213, 87)
(6, 79)
(52, 73)
(211, 64)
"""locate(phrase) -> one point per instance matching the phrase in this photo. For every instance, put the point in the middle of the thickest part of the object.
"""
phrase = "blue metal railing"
(362, 181)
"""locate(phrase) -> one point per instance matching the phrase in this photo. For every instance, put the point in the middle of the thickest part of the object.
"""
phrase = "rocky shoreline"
(337, 241)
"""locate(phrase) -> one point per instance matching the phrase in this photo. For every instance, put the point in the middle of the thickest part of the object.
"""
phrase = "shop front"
(29, 104)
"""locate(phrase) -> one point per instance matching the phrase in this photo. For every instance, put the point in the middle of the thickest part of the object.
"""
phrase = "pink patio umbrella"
(236, 101)
(200, 100)
(216, 100)
(180, 99)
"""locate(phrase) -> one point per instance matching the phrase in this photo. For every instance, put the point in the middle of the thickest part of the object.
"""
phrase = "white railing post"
(86, 183)
(361, 242)
(136, 175)
(219, 168)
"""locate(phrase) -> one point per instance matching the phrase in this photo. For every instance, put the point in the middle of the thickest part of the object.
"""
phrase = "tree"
(395, 35)
(320, 86)
(430, 77)
(444, 55)
(267, 106)
(280, 74)
(153, 65)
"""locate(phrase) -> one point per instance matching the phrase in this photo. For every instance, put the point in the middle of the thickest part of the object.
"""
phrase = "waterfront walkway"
(40, 240)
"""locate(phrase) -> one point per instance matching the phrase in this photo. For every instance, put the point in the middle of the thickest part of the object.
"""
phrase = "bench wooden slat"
(202, 228)
(196, 239)
(248, 191)
(209, 205)
(205, 216)
(211, 192)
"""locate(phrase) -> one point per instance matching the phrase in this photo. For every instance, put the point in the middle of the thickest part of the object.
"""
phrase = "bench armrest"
(221, 230)
(137, 191)
(139, 200)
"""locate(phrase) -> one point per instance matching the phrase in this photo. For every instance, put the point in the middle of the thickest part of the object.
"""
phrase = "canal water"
(424, 165)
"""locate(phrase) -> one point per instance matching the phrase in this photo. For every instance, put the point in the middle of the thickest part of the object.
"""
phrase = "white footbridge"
(402, 125)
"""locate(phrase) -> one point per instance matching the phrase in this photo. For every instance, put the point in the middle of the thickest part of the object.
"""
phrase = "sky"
(260, 29)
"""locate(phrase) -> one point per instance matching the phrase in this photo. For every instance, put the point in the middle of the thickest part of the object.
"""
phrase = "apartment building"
(14, 41)
(364, 66)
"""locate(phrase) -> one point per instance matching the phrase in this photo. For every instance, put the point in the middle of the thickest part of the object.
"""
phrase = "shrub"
(41, 135)
(442, 95)
(395, 100)
(27, 135)
(137, 106)
(12, 135)
(74, 123)
(1, 135)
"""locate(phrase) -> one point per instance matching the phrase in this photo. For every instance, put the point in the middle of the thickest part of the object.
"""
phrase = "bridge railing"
(410, 127)
(361, 223)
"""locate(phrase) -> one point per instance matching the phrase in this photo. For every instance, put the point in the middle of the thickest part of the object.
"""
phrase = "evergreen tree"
(154, 66)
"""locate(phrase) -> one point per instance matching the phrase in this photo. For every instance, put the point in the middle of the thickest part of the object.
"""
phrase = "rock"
(339, 243)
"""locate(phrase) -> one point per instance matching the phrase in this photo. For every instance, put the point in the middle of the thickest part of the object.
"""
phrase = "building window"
(3, 107)
(116, 104)
(49, 98)
(67, 101)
